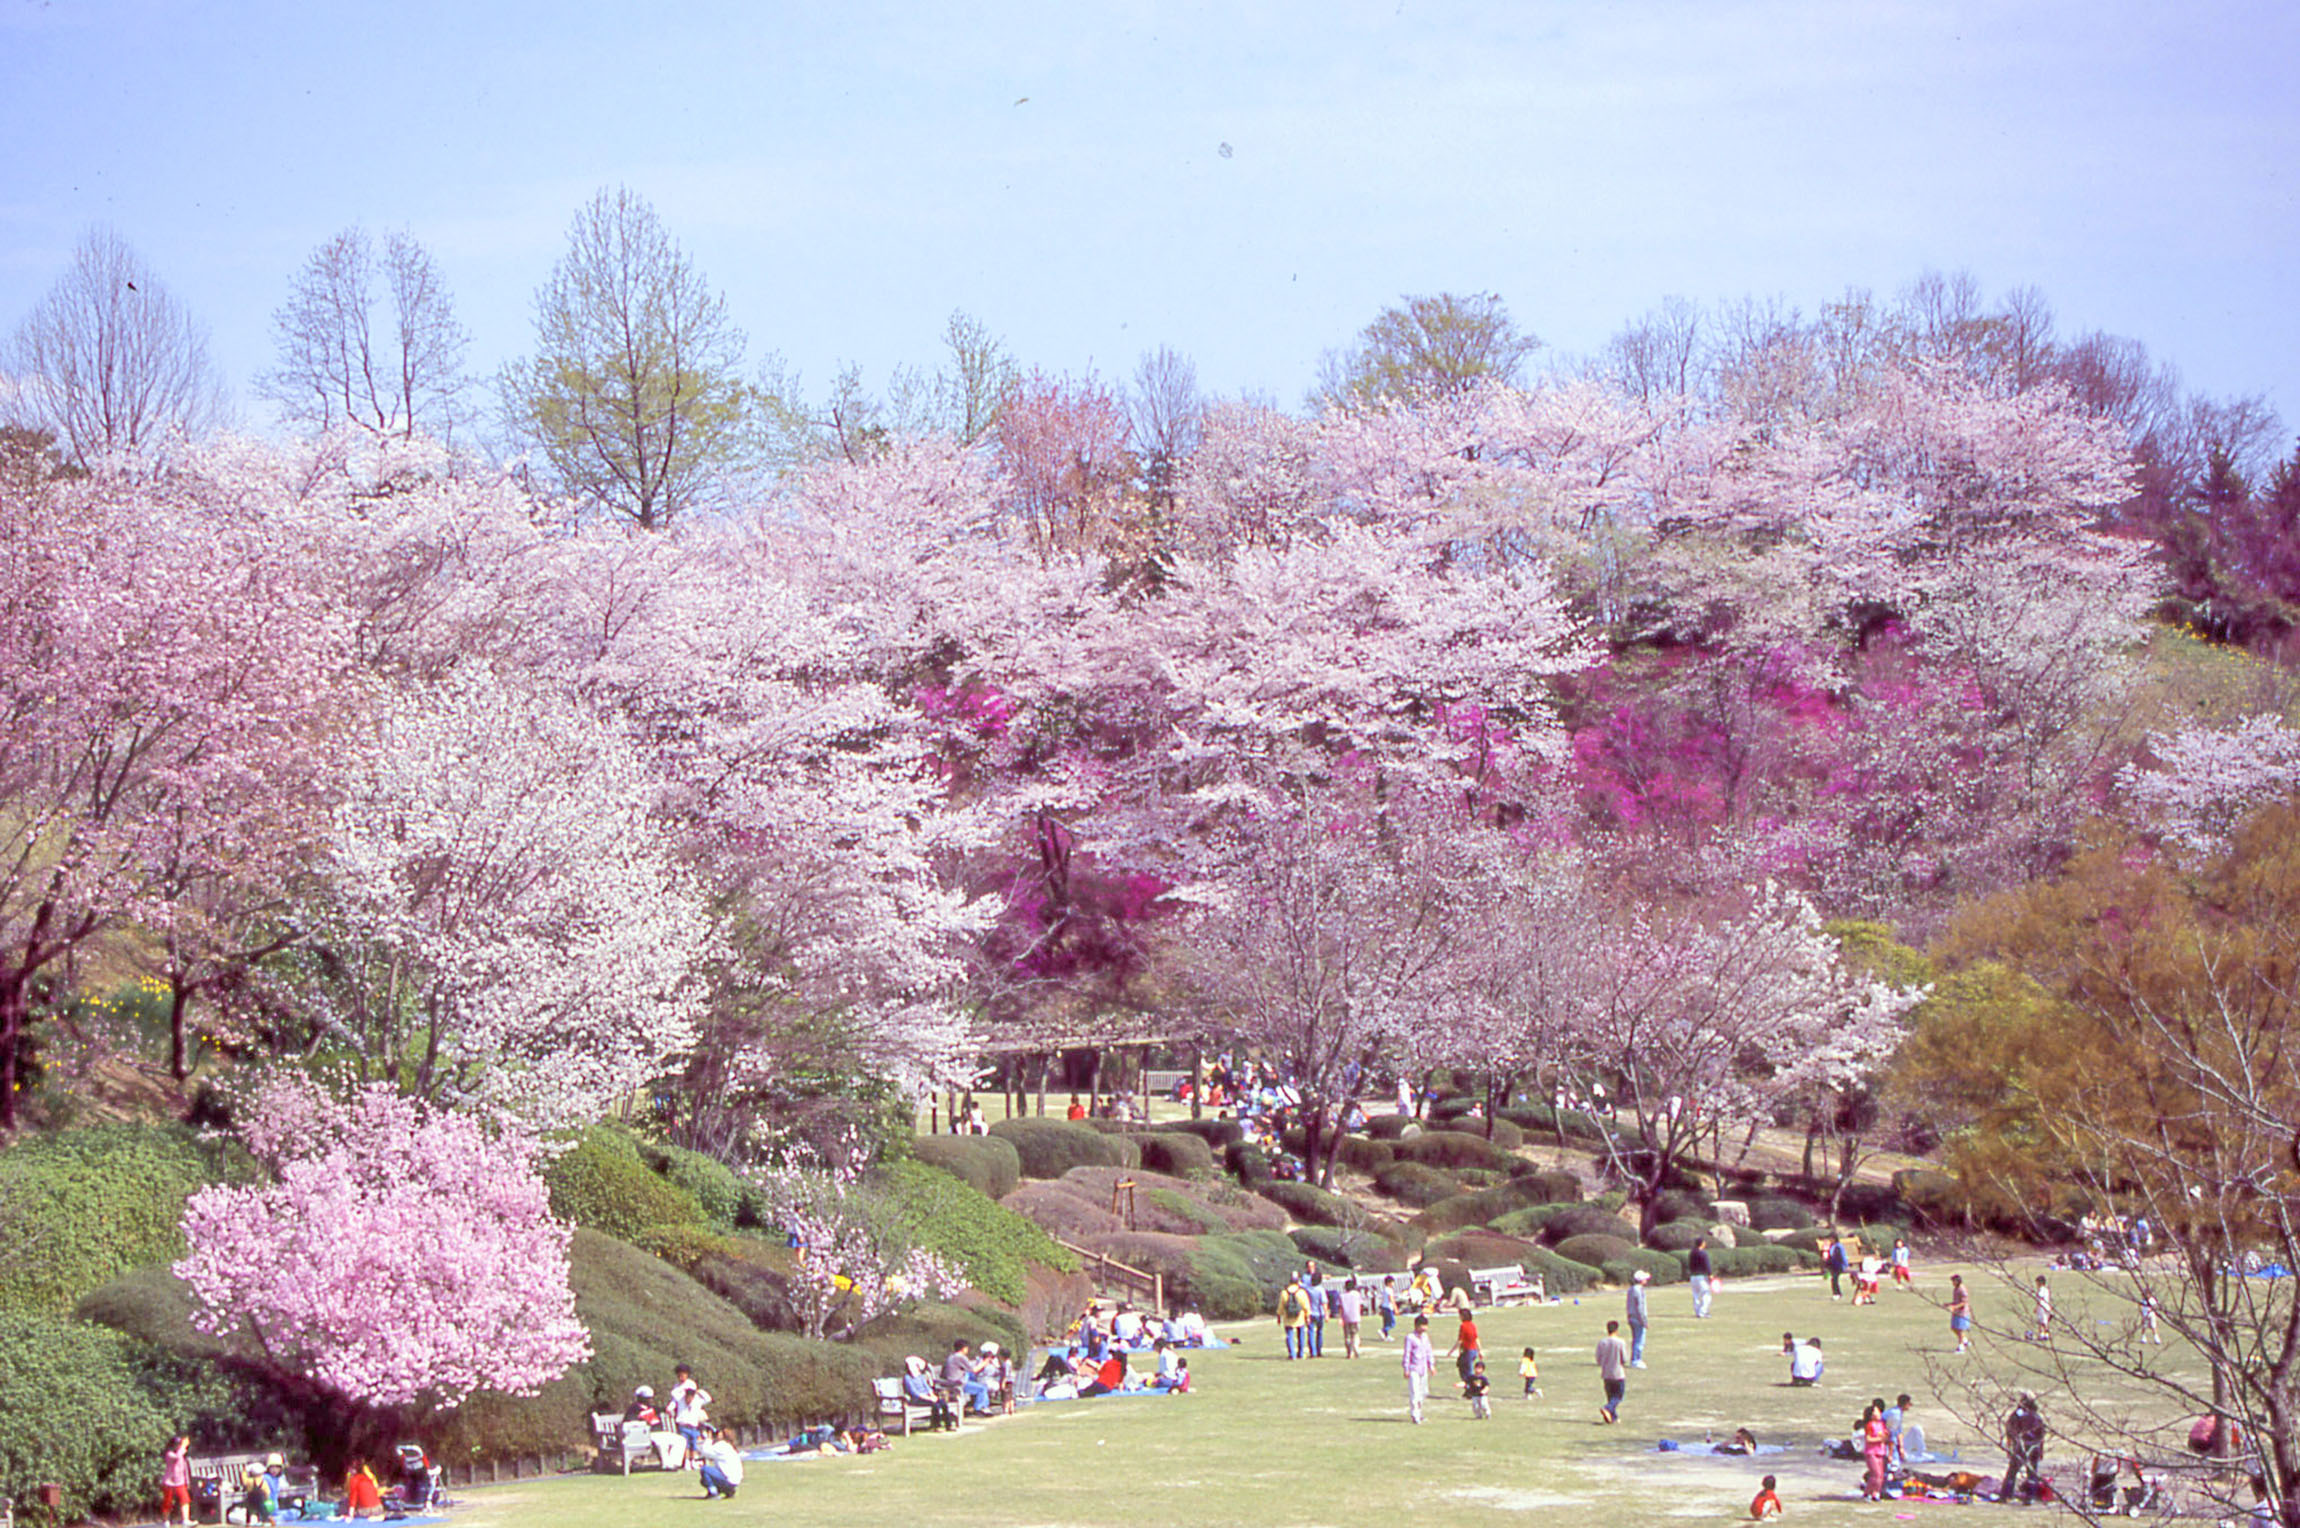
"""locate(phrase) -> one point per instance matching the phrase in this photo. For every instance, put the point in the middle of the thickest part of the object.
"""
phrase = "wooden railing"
(1108, 1272)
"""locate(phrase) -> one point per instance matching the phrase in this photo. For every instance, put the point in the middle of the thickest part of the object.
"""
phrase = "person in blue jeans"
(1386, 1305)
(1317, 1294)
(962, 1378)
(1638, 1316)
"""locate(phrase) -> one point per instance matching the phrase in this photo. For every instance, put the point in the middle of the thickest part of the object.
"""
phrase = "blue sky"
(850, 173)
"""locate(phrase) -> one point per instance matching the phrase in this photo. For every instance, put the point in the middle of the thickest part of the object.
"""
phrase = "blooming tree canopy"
(395, 1254)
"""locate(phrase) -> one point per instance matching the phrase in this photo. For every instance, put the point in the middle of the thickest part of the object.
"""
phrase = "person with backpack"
(1294, 1317)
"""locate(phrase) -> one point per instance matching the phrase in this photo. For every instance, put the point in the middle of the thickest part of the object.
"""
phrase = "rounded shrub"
(1553, 1186)
(1363, 1153)
(1452, 1106)
(1454, 1149)
(1662, 1267)
(1778, 1215)
(1528, 1221)
(76, 1416)
(1173, 1151)
(602, 1183)
(1594, 1249)
(989, 1163)
(1393, 1127)
(1756, 1259)
(1246, 1162)
(1676, 1235)
(1677, 1204)
(1866, 1202)
(1416, 1184)
(1480, 1249)
(988, 1244)
(712, 1184)
(1048, 1148)
(1310, 1204)
(81, 1208)
(1177, 1205)
(1587, 1220)
(1216, 1133)
(1359, 1251)
(1559, 1275)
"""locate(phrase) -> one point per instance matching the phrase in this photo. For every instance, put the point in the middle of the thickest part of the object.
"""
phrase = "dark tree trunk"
(1197, 1080)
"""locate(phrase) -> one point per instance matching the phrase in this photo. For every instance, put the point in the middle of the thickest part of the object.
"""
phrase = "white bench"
(622, 1444)
(1504, 1286)
(896, 1409)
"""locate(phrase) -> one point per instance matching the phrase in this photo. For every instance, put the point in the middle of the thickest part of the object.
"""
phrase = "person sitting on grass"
(362, 1492)
(1109, 1379)
(722, 1466)
(1767, 1502)
(1805, 1364)
(1743, 1441)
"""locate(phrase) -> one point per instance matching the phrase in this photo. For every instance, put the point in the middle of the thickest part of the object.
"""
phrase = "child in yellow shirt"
(1529, 1371)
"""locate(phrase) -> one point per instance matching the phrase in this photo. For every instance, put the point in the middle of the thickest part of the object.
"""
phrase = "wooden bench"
(897, 1410)
(1504, 1286)
(218, 1481)
(622, 1444)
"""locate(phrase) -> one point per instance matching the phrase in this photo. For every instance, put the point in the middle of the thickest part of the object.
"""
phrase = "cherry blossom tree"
(392, 1255)
(1721, 1020)
(506, 918)
(167, 669)
(2203, 781)
(853, 1259)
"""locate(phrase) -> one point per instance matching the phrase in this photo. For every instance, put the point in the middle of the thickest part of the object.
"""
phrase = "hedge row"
(1048, 1148)
(1416, 1184)
(989, 1245)
(988, 1162)
(82, 1208)
(604, 1184)
(1453, 1149)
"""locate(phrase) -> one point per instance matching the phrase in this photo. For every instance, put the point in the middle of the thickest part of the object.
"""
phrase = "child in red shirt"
(1767, 1504)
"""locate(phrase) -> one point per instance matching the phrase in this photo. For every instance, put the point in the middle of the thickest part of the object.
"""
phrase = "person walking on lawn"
(1613, 1369)
(1294, 1317)
(1419, 1360)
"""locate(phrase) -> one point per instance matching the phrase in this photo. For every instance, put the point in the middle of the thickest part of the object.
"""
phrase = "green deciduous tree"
(634, 393)
(1428, 346)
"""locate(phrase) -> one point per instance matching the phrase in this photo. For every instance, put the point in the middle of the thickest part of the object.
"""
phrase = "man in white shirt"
(722, 1466)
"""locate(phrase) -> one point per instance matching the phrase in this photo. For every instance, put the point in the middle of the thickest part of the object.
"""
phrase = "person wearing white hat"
(1638, 1317)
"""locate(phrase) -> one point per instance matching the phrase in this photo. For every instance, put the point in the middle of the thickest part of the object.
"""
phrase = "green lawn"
(1269, 1443)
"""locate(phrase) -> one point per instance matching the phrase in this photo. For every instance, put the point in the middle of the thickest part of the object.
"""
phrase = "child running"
(1529, 1370)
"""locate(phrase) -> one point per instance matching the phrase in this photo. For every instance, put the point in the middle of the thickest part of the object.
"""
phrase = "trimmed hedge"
(603, 1183)
(1216, 1133)
(1359, 1251)
(989, 1163)
(78, 1416)
(79, 1209)
(1541, 1121)
(1245, 1162)
(1454, 1149)
(1552, 1185)
(1560, 1275)
(1595, 1250)
(1480, 1208)
(1528, 1221)
(1179, 1212)
(1393, 1127)
(710, 1182)
(988, 1244)
(1310, 1204)
(1678, 1204)
(1663, 1268)
(1416, 1184)
(1229, 1278)
(1586, 1220)
(1778, 1215)
(1676, 1235)
(1182, 1155)
(1480, 1249)
(1048, 1148)
(1363, 1154)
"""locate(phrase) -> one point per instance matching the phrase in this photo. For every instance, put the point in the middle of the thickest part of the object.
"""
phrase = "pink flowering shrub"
(396, 1255)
